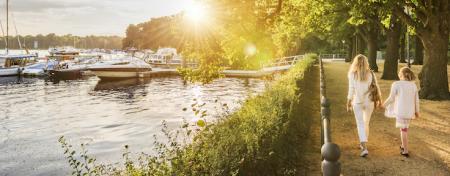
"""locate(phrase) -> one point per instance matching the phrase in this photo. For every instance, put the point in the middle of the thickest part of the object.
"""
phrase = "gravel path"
(429, 136)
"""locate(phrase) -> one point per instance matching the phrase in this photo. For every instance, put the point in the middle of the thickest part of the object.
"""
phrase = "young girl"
(403, 104)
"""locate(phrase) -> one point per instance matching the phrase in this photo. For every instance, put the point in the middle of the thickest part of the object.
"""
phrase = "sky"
(84, 17)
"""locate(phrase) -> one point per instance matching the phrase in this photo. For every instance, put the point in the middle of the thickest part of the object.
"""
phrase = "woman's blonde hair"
(360, 68)
(407, 74)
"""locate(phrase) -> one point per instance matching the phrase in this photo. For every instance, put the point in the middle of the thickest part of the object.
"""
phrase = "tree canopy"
(245, 34)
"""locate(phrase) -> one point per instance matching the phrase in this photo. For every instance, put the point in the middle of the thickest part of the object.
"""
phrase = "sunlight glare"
(250, 49)
(196, 12)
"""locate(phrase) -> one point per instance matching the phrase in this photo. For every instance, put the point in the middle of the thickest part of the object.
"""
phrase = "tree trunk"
(354, 42)
(418, 60)
(433, 77)
(393, 34)
(402, 58)
(361, 45)
(433, 29)
(349, 50)
(372, 47)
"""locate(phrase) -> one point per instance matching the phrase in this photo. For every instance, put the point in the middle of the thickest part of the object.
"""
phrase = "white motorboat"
(129, 67)
(164, 56)
(72, 65)
(63, 51)
(39, 69)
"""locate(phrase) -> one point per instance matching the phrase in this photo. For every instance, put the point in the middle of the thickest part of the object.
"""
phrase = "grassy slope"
(264, 137)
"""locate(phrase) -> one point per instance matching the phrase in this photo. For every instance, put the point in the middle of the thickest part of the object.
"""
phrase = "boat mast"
(7, 26)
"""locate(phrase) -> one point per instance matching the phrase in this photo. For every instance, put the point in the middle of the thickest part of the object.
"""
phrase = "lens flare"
(196, 12)
(250, 49)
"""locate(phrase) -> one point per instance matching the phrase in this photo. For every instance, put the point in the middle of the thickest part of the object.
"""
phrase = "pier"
(281, 65)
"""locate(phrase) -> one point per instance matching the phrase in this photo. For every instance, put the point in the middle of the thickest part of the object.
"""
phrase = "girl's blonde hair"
(407, 74)
(360, 67)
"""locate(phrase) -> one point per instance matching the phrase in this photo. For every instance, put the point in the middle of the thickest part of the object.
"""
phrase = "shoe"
(364, 153)
(403, 154)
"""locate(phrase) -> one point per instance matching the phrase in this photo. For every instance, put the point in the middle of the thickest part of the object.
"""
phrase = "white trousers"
(363, 111)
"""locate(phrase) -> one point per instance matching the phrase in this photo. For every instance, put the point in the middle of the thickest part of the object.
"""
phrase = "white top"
(403, 100)
(358, 90)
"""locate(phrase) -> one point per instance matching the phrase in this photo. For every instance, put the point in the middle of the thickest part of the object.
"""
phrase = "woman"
(360, 79)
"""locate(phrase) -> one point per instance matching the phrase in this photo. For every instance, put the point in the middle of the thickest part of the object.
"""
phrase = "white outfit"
(403, 102)
(362, 105)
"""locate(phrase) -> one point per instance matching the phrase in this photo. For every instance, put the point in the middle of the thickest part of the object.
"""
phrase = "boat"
(39, 69)
(164, 57)
(127, 67)
(14, 64)
(70, 63)
(63, 53)
(68, 69)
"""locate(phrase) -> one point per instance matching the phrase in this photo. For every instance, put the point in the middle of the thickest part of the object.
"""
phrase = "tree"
(402, 58)
(365, 15)
(132, 37)
(393, 31)
(431, 22)
(418, 59)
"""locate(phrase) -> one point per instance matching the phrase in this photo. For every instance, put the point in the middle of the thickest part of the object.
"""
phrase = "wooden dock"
(283, 65)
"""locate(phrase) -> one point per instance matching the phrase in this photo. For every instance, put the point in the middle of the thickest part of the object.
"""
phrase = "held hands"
(417, 114)
(349, 105)
(380, 105)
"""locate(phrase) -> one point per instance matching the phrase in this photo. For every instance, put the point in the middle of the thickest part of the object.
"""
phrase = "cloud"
(86, 17)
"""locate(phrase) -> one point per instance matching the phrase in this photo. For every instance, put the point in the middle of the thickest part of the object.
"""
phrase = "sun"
(196, 12)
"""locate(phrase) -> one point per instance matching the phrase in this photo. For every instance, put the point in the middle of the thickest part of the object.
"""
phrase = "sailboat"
(13, 64)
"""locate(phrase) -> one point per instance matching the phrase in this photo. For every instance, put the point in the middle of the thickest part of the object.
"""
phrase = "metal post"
(330, 151)
(7, 27)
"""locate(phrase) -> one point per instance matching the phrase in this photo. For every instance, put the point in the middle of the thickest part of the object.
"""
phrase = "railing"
(291, 60)
(330, 151)
(333, 56)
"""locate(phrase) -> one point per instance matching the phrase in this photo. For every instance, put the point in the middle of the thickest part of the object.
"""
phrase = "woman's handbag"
(374, 91)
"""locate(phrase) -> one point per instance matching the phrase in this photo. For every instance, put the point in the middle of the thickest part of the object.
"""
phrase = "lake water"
(35, 112)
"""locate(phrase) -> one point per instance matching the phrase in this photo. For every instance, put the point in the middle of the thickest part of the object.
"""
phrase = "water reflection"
(120, 84)
(35, 112)
(58, 79)
(16, 80)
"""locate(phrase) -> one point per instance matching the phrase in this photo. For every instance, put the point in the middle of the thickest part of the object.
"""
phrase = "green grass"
(264, 137)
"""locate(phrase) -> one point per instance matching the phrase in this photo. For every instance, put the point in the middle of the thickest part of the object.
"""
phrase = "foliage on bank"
(53, 40)
(265, 137)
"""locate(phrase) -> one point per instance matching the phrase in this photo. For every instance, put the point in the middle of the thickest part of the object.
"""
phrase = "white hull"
(120, 69)
(9, 71)
(33, 72)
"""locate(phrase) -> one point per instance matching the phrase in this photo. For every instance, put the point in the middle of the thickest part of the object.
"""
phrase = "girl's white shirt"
(358, 90)
(403, 100)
